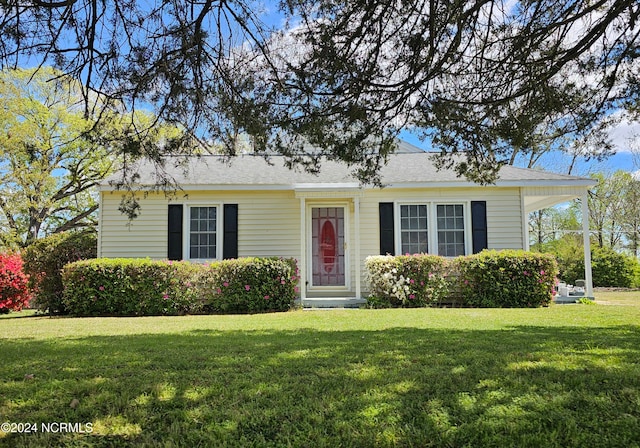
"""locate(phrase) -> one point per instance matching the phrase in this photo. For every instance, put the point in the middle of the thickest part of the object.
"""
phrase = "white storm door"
(328, 246)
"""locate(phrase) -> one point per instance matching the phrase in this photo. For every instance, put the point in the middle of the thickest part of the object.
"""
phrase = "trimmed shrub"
(611, 268)
(136, 287)
(406, 280)
(506, 279)
(14, 290)
(635, 283)
(44, 260)
(130, 287)
(250, 285)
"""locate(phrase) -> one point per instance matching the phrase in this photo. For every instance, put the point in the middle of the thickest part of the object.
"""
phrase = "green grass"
(567, 375)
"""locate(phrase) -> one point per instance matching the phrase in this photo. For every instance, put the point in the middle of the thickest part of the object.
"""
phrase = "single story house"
(329, 222)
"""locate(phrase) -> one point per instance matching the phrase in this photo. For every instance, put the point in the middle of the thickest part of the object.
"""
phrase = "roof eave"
(579, 182)
(500, 183)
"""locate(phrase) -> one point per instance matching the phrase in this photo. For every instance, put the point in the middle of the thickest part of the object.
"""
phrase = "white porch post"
(356, 236)
(303, 258)
(586, 236)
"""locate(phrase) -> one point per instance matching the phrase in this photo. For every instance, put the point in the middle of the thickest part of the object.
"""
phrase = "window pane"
(450, 230)
(413, 229)
(202, 232)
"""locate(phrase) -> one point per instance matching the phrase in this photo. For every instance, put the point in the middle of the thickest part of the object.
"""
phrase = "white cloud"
(624, 133)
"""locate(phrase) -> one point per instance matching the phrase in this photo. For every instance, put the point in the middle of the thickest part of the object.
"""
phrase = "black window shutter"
(479, 225)
(230, 232)
(387, 245)
(175, 232)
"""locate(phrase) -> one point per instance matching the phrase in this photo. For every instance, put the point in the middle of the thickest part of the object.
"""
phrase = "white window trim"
(186, 234)
(397, 225)
(466, 209)
(432, 223)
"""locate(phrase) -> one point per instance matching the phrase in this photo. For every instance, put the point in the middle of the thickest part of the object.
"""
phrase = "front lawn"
(567, 375)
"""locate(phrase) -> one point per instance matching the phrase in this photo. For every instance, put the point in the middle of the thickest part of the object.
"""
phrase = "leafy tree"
(47, 165)
(52, 156)
(550, 224)
(610, 206)
(631, 214)
(485, 78)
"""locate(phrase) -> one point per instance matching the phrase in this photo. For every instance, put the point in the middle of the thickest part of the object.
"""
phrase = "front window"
(450, 230)
(202, 232)
(414, 236)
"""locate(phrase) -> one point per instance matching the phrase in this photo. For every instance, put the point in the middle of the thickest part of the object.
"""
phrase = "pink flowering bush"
(506, 279)
(489, 279)
(14, 291)
(406, 281)
(136, 287)
(130, 287)
(250, 285)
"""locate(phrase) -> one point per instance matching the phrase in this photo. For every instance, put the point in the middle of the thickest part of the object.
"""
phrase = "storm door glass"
(327, 246)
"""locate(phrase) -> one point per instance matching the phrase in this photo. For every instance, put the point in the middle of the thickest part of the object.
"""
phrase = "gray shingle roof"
(402, 169)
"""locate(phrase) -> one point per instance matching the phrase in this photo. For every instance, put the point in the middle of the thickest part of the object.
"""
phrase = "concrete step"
(333, 302)
(566, 299)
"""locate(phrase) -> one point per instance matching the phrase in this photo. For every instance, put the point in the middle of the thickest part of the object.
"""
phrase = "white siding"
(145, 236)
(268, 224)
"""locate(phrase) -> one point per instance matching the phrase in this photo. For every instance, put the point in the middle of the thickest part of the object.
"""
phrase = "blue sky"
(558, 162)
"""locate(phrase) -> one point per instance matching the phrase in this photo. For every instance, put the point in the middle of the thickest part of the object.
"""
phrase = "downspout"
(587, 245)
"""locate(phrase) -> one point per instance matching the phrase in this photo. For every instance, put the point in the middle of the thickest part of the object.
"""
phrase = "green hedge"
(44, 260)
(135, 287)
(406, 280)
(130, 287)
(250, 285)
(488, 279)
(506, 279)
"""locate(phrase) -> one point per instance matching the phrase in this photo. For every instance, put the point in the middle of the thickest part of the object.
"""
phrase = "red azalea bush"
(14, 290)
